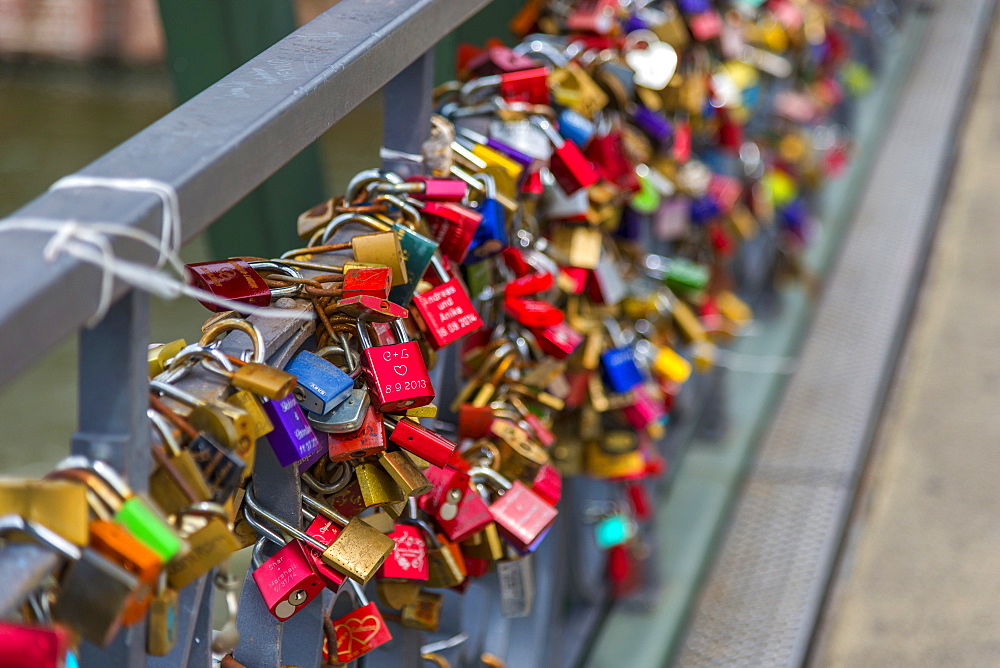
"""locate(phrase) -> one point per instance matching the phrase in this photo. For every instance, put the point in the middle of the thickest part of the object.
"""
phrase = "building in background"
(84, 30)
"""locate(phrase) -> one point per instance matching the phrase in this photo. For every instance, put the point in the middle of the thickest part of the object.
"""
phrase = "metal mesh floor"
(761, 599)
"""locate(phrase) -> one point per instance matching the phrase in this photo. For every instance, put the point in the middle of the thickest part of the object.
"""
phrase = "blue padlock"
(575, 127)
(491, 235)
(618, 366)
(322, 385)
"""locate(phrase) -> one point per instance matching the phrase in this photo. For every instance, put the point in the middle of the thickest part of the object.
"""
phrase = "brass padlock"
(255, 376)
(163, 488)
(580, 245)
(486, 544)
(397, 593)
(406, 475)
(520, 457)
(162, 622)
(377, 486)
(158, 355)
(211, 543)
(424, 613)
(445, 562)
(58, 505)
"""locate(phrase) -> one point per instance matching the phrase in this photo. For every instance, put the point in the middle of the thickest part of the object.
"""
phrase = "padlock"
(396, 375)
(207, 531)
(446, 309)
(548, 484)
(239, 281)
(33, 646)
(516, 580)
(380, 248)
(377, 486)
(572, 171)
(259, 422)
(349, 415)
(410, 480)
(377, 310)
(322, 386)
(137, 514)
(292, 439)
(361, 630)
(644, 412)
(226, 424)
(421, 187)
(579, 244)
(159, 354)
(58, 505)
(493, 152)
(254, 376)
(221, 469)
(604, 465)
(424, 613)
(530, 86)
(618, 367)
(366, 281)
(357, 551)
(522, 517)
(445, 562)
(558, 340)
(325, 531)
(94, 591)
(169, 494)
(607, 153)
(454, 226)
(595, 16)
(485, 545)
(162, 621)
(520, 457)
(286, 580)
(408, 560)
(115, 543)
(422, 442)
(457, 509)
(668, 364)
(367, 440)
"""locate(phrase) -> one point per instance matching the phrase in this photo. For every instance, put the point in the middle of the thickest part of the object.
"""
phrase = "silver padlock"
(516, 578)
(525, 136)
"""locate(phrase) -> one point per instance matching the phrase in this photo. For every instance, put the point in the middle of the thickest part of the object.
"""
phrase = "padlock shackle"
(176, 369)
(165, 430)
(353, 362)
(546, 126)
(265, 531)
(536, 47)
(480, 472)
(365, 340)
(250, 502)
(320, 488)
(212, 332)
(360, 181)
(428, 531)
(41, 534)
(324, 235)
(281, 268)
(325, 511)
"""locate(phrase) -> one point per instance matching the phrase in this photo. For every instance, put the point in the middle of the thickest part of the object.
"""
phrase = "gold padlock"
(424, 613)
(159, 355)
(211, 543)
(59, 505)
(407, 477)
(580, 245)
(377, 486)
(397, 593)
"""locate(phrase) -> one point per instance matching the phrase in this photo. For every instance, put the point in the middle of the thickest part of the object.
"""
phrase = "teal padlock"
(613, 530)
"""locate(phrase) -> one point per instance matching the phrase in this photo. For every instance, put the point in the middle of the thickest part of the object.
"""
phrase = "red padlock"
(447, 309)
(521, 515)
(24, 646)
(437, 189)
(368, 440)
(530, 284)
(396, 374)
(371, 281)
(325, 531)
(361, 630)
(422, 442)
(568, 165)
(595, 16)
(607, 153)
(408, 560)
(530, 86)
(453, 226)
(548, 484)
(374, 309)
(533, 313)
(457, 509)
(287, 581)
(234, 279)
(558, 340)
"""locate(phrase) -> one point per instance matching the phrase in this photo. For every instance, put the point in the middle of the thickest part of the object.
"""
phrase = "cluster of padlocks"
(567, 254)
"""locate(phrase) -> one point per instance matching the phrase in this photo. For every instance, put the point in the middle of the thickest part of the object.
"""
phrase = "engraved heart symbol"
(360, 630)
(400, 369)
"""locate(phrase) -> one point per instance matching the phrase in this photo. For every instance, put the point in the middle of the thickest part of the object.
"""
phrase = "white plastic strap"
(170, 231)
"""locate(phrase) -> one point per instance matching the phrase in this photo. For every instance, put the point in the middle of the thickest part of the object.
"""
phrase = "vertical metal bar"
(191, 601)
(113, 427)
(407, 108)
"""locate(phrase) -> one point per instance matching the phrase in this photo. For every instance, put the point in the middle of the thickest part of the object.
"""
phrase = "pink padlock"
(287, 581)
(408, 560)
(439, 190)
(396, 373)
(453, 226)
(644, 410)
(446, 309)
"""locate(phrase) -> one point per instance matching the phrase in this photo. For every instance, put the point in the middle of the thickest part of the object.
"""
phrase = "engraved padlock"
(292, 439)
(361, 630)
(446, 309)
(322, 386)
(286, 580)
(408, 560)
(396, 375)
(239, 281)
(522, 517)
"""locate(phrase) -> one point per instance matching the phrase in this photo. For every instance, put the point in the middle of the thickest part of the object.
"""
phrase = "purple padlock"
(653, 124)
(693, 6)
(483, 140)
(292, 439)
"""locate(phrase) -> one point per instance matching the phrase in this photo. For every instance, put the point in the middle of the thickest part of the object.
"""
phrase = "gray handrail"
(213, 150)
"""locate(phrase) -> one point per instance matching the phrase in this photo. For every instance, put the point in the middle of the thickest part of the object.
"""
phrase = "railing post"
(407, 106)
(113, 427)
